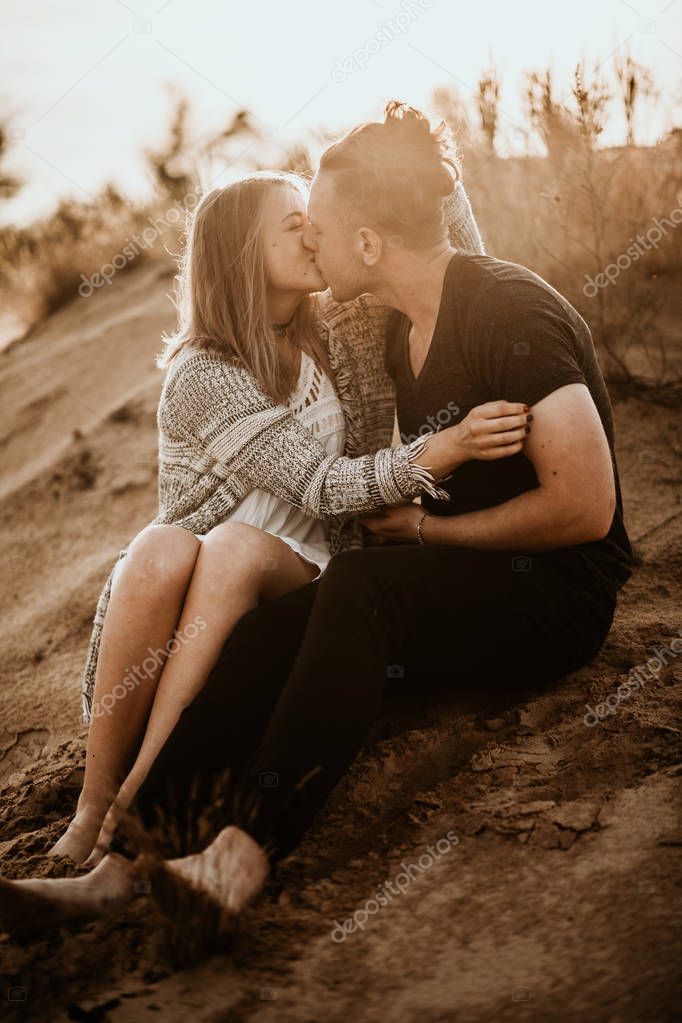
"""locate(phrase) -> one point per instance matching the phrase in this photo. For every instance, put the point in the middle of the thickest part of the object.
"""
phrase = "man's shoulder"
(499, 289)
(503, 274)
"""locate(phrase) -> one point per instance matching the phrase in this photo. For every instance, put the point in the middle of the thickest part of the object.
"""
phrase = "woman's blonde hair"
(222, 287)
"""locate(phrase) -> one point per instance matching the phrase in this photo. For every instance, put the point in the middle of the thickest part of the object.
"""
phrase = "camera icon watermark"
(647, 457)
(16, 134)
(269, 564)
(16, 993)
(268, 779)
(268, 133)
(395, 671)
(521, 348)
(268, 994)
(142, 887)
(647, 27)
(142, 26)
(522, 563)
(521, 994)
(647, 887)
(16, 564)
(143, 457)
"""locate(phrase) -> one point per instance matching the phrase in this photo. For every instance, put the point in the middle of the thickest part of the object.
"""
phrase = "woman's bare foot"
(229, 873)
(32, 906)
(105, 835)
(79, 839)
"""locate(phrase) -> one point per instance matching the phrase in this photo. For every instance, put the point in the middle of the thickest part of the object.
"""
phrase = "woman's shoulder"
(197, 359)
(198, 368)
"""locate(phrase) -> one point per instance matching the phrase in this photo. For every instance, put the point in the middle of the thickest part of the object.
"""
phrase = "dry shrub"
(43, 265)
(570, 212)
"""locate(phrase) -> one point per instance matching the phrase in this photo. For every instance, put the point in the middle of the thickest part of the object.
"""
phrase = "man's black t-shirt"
(503, 333)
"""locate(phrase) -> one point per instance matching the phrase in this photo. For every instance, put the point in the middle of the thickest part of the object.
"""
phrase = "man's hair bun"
(433, 149)
(395, 173)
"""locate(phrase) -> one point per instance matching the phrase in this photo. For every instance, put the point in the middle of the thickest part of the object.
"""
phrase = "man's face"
(335, 243)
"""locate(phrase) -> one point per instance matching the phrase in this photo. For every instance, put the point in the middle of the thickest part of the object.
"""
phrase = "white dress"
(315, 404)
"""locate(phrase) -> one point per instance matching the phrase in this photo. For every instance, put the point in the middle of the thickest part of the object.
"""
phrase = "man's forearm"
(530, 522)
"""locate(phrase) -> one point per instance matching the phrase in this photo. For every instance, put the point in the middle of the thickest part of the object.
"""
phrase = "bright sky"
(83, 86)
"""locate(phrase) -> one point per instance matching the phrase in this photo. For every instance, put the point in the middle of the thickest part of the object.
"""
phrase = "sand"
(560, 889)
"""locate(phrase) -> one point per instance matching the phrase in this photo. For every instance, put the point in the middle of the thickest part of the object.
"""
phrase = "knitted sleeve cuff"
(461, 223)
(400, 479)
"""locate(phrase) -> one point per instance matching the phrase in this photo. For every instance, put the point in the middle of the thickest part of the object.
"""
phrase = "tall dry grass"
(571, 211)
(42, 266)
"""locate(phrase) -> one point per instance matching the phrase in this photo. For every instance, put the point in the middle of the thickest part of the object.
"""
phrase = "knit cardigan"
(221, 436)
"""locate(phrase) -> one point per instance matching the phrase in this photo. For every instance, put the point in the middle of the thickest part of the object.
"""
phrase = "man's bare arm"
(576, 497)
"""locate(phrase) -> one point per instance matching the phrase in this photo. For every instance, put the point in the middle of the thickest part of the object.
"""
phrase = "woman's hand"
(399, 523)
(491, 431)
(494, 430)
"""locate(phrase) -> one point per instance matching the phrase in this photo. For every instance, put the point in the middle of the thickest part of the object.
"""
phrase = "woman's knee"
(163, 551)
(240, 542)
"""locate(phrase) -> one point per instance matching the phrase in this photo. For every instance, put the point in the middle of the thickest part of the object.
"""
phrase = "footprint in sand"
(18, 751)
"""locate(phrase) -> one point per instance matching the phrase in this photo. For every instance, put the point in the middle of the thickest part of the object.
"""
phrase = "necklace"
(281, 329)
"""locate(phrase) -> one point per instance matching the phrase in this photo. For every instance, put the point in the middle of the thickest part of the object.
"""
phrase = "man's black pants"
(298, 684)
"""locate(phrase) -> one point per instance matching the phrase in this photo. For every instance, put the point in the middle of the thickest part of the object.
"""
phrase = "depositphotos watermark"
(386, 33)
(386, 891)
(641, 245)
(433, 423)
(145, 240)
(136, 675)
(634, 682)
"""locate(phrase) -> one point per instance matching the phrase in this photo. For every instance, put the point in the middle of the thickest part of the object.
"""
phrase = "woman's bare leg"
(146, 602)
(238, 567)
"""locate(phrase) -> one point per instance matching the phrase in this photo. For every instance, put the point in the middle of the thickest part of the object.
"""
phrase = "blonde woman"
(274, 430)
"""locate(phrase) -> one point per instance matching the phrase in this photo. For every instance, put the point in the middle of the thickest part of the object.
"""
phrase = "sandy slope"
(565, 879)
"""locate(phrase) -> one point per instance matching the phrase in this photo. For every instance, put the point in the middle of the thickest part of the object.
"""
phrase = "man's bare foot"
(32, 906)
(79, 839)
(229, 873)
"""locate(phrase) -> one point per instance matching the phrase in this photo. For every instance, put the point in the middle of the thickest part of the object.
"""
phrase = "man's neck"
(415, 286)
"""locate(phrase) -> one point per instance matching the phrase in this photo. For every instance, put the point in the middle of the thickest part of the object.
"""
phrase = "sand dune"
(561, 891)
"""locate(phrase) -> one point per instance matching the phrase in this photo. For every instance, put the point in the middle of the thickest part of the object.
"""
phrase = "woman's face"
(288, 264)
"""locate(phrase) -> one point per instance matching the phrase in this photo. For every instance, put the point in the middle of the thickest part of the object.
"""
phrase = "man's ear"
(370, 246)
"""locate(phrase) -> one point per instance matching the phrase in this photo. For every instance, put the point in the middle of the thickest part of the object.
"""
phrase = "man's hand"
(576, 497)
(399, 523)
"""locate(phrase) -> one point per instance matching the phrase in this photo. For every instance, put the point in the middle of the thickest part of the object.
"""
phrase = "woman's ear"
(370, 245)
